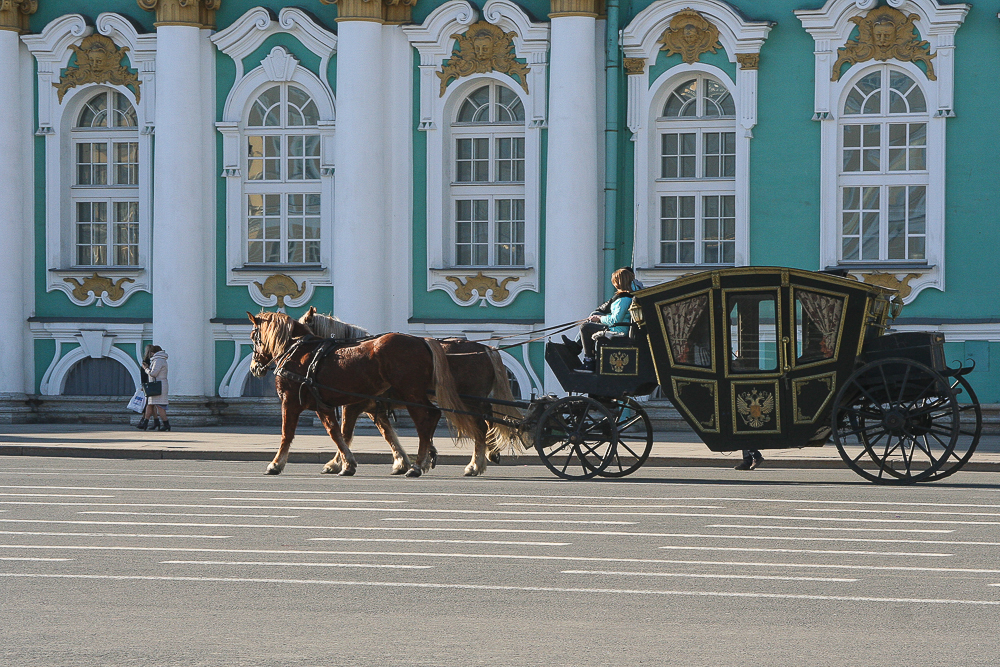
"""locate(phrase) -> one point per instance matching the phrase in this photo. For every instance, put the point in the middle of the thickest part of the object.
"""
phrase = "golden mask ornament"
(885, 33)
(98, 285)
(481, 285)
(98, 60)
(690, 34)
(483, 48)
(281, 286)
(14, 14)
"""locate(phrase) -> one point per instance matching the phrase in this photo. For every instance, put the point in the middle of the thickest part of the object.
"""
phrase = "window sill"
(279, 268)
(112, 270)
(881, 266)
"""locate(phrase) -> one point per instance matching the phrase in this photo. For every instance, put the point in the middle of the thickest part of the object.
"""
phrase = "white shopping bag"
(137, 402)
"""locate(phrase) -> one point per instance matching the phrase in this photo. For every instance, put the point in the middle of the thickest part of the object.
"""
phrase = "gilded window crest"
(884, 34)
(98, 60)
(484, 47)
(690, 34)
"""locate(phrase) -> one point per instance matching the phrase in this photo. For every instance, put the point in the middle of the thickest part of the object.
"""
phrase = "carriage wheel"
(905, 417)
(969, 431)
(576, 437)
(635, 438)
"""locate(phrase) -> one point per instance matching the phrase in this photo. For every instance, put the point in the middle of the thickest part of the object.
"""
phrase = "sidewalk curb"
(373, 458)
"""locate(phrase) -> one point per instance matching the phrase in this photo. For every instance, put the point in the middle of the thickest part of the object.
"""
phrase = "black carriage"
(765, 358)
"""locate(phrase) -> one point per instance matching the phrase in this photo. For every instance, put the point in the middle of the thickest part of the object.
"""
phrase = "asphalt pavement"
(313, 445)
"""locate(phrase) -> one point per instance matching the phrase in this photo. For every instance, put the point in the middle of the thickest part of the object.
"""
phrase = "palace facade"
(472, 169)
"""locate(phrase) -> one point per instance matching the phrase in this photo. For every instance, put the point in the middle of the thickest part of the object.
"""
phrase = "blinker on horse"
(311, 374)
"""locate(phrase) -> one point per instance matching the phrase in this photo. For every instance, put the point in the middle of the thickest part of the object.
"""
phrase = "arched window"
(695, 184)
(883, 177)
(487, 184)
(282, 177)
(105, 185)
(98, 377)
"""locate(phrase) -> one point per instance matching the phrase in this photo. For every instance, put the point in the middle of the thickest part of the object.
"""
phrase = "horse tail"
(501, 436)
(447, 395)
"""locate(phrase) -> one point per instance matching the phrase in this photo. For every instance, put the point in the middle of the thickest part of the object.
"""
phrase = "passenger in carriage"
(617, 319)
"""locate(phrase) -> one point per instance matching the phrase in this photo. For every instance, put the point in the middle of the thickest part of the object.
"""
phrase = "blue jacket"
(619, 319)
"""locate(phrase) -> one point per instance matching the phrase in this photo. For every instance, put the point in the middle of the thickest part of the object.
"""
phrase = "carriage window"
(689, 331)
(817, 325)
(753, 333)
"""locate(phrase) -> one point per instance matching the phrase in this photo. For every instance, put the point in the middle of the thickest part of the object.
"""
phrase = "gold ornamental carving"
(482, 48)
(98, 285)
(480, 285)
(281, 286)
(901, 285)
(885, 33)
(690, 34)
(748, 60)
(634, 65)
(98, 60)
(393, 12)
(14, 14)
(573, 8)
(198, 13)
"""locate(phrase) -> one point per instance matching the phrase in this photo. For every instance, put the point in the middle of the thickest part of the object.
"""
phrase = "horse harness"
(329, 345)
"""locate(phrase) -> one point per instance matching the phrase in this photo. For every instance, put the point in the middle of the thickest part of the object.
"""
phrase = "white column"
(360, 238)
(180, 279)
(14, 226)
(573, 237)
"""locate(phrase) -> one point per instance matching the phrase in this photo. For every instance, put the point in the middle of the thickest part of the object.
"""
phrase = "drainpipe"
(611, 87)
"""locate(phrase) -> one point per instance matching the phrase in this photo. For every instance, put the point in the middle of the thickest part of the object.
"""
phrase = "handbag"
(138, 401)
(154, 388)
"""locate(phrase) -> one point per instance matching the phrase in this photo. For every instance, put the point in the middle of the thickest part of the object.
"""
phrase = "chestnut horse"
(477, 370)
(410, 368)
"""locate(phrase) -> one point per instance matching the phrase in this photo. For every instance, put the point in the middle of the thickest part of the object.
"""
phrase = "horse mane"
(328, 326)
(276, 331)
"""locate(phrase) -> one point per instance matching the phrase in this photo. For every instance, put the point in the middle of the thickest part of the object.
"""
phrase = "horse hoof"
(346, 472)
(471, 472)
(434, 457)
(414, 472)
(272, 470)
(399, 470)
(330, 470)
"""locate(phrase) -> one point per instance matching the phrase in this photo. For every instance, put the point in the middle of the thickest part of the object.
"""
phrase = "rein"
(328, 345)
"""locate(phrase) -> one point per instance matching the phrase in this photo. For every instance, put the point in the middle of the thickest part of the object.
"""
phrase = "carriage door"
(753, 330)
(816, 322)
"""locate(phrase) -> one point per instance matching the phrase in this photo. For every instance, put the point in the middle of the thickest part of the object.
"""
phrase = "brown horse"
(409, 367)
(477, 370)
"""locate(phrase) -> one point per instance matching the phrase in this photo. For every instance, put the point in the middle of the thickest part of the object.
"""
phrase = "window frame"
(884, 178)
(56, 119)
(278, 67)
(699, 185)
(110, 192)
(284, 186)
(492, 189)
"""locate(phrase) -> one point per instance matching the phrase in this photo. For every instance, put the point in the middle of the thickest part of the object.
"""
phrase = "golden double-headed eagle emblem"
(618, 361)
(755, 407)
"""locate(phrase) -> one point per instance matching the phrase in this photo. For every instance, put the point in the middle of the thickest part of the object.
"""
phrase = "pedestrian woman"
(155, 366)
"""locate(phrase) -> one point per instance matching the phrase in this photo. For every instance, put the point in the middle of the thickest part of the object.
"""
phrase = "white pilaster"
(360, 238)
(14, 226)
(573, 236)
(183, 160)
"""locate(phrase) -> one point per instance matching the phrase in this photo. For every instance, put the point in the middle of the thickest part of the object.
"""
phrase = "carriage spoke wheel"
(576, 437)
(635, 438)
(970, 428)
(896, 421)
